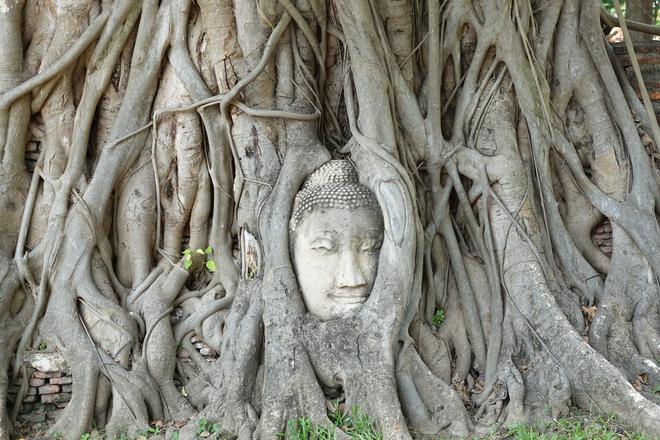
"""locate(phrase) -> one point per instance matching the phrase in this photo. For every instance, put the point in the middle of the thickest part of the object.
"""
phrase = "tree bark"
(642, 12)
(172, 138)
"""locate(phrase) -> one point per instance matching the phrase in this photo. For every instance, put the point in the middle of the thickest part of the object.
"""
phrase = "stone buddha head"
(336, 231)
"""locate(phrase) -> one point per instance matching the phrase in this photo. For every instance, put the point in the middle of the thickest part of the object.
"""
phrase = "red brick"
(34, 382)
(42, 375)
(61, 380)
(56, 398)
(49, 389)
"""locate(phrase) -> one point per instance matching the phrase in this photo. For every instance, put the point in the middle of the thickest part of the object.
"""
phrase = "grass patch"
(356, 424)
(579, 426)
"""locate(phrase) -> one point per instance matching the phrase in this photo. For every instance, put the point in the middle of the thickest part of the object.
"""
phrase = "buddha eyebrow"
(333, 233)
(322, 237)
(320, 241)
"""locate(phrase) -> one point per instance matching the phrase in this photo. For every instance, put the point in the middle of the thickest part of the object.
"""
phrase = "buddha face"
(336, 259)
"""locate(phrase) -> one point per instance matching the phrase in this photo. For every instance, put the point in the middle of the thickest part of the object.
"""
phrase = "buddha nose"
(349, 272)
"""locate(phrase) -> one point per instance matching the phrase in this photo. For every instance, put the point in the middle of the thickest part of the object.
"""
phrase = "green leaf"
(186, 252)
(199, 251)
(208, 250)
(210, 265)
(439, 317)
(202, 426)
(187, 263)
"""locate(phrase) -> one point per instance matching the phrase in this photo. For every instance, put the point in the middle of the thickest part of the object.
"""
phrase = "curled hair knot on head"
(333, 185)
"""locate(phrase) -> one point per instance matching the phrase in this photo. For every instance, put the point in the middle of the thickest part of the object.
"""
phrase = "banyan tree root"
(494, 136)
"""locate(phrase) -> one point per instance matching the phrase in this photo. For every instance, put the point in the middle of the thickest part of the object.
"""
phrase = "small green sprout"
(439, 317)
(202, 426)
(208, 263)
(206, 429)
(187, 259)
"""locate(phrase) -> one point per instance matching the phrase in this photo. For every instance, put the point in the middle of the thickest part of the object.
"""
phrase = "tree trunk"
(642, 12)
(480, 143)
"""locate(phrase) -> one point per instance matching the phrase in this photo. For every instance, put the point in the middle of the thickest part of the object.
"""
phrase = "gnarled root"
(356, 356)
(625, 328)
(159, 347)
(429, 404)
(233, 403)
(10, 335)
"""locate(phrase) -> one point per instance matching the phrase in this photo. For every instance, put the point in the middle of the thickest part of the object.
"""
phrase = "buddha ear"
(393, 205)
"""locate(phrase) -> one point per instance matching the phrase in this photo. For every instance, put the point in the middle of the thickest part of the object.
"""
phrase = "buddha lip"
(352, 296)
(350, 299)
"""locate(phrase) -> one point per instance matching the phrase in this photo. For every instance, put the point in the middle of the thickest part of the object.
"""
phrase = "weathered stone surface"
(51, 362)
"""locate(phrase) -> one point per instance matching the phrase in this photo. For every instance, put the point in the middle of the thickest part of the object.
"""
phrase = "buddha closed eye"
(336, 232)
